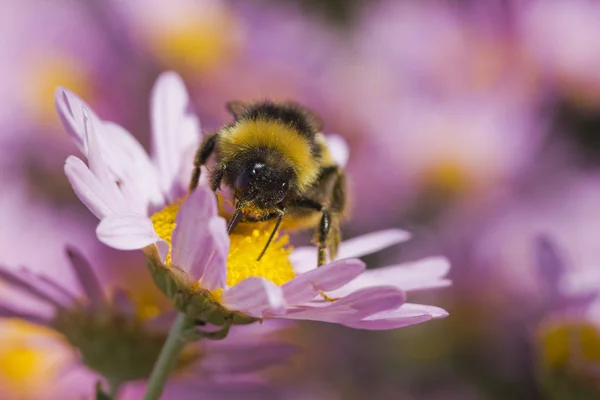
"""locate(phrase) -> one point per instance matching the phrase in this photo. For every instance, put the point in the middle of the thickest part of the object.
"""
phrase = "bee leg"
(338, 207)
(324, 228)
(322, 236)
(217, 177)
(202, 155)
(329, 233)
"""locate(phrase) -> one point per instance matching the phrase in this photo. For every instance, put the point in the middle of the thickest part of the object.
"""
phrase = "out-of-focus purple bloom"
(559, 38)
(566, 290)
(569, 329)
(560, 211)
(105, 333)
(449, 113)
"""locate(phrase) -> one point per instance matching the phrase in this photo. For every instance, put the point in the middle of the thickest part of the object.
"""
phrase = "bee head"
(262, 185)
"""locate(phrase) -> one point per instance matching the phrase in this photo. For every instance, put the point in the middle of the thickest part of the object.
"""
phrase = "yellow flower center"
(196, 43)
(275, 265)
(566, 342)
(45, 75)
(448, 177)
(164, 223)
(26, 365)
(244, 250)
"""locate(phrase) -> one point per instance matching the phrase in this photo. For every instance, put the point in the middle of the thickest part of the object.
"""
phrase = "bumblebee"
(275, 160)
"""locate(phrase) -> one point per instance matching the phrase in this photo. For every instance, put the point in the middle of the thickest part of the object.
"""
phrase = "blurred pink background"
(474, 125)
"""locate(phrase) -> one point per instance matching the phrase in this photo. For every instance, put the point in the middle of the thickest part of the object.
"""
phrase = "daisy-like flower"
(568, 334)
(211, 276)
(108, 335)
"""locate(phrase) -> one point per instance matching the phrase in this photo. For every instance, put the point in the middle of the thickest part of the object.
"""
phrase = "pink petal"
(338, 147)
(110, 150)
(88, 189)
(134, 168)
(215, 273)
(99, 168)
(9, 312)
(307, 286)
(193, 241)
(71, 112)
(408, 314)
(87, 278)
(418, 275)
(21, 281)
(255, 296)
(129, 232)
(304, 258)
(173, 127)
(96, 161)
(123, 303)
(189, 142)
(353, 307)
(435, 312)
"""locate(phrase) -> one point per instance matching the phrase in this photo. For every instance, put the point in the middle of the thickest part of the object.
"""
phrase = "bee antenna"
(262, 253)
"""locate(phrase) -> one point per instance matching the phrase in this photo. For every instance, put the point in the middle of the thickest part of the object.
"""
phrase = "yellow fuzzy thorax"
(250, 134)
(244, 249)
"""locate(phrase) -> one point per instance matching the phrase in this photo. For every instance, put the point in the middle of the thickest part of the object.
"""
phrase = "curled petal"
(419, 275)
(129, 232)
(193, 241)
(255, 297)
(133, 167)
(88, 189)
(408, 314)
(71, 113)
(353, 307)
(307, 286)
(303, 258)
(215, 273)
(174, 127)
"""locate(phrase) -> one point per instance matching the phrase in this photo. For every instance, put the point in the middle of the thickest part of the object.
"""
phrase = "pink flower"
(88, 318)
(290, 287)
(122, 183)
(568, 331)
(559, 37)
(124, 188)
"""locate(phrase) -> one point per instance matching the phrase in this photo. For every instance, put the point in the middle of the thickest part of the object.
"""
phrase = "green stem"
(166, 359)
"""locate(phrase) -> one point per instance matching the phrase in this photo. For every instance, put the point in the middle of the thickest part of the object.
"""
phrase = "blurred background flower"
(473, 125)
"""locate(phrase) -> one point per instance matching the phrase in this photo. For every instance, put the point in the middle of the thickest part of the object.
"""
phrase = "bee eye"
(243, 180)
